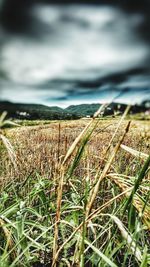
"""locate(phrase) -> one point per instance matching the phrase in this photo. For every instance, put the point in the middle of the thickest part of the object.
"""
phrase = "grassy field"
(75, 193)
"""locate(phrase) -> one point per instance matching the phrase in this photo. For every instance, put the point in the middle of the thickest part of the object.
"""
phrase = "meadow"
(75, 193)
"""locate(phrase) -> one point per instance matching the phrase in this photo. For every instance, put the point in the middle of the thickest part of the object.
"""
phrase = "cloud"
(81, 52)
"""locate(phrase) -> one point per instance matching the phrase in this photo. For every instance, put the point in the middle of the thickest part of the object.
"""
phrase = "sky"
(72, 54)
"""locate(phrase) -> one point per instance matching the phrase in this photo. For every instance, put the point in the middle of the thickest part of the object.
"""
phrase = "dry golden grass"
(39, 149)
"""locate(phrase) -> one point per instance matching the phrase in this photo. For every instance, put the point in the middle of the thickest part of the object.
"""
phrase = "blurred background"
(72, 52)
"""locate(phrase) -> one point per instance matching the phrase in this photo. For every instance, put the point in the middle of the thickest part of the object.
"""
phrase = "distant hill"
(37, 112)
(146, 104)
(84, 110)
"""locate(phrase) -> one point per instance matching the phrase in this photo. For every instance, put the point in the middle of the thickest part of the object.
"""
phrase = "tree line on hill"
(42, 112)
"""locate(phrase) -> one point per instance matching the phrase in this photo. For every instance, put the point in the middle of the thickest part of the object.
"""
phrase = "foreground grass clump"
(81, 203)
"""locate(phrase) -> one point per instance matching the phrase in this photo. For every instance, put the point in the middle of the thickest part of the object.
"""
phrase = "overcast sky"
(76, 54)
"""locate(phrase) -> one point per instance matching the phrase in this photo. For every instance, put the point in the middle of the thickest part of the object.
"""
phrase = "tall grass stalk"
(84, 140)
(77, 140)
(105, 170)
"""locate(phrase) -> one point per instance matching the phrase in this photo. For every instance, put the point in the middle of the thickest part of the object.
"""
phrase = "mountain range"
(36, 111)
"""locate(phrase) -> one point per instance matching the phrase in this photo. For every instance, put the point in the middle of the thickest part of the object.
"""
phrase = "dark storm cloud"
(16, 15)
(116, 80)
(113, 79)
(76, 51)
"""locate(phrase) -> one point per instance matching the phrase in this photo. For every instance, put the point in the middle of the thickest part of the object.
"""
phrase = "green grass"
(29, 123)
